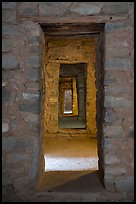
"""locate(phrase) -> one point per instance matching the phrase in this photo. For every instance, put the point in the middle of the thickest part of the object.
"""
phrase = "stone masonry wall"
(21, 77)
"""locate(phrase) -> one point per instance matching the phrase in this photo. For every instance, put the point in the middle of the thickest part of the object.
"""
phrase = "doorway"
(74, 135)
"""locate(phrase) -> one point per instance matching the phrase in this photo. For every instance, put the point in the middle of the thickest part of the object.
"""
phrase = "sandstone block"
(116, 51)
(20, 182)
(53, 8)
(33, 74)
(85, 8)
(4, 83)
(114, 8)
(5, 127)
(111, 101)
(5, 95)
(115, 170)
(33, 86)
(34, 49)
(5, 179)
(35, 40)
(17, 157)
(131, 133)
(31, 27)
(113, 131)
(9, 16)
(30, 96)
(117, 90)
(110, 116)
(7, 45)
(109, 183)
(23, 144)
(33, 61)
(118, 63)
(115, 78)
(10, 30)
(9, 62)
(111, 27)
(32, 118)
(110, 159)
(28, 9)
(125, 184)
(8, 5)
(8, 144)
(32, 107)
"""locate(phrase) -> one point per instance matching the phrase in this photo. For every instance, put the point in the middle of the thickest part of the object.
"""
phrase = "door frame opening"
(80, 30)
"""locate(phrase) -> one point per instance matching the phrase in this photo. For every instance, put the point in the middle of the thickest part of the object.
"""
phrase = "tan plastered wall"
(68, 50)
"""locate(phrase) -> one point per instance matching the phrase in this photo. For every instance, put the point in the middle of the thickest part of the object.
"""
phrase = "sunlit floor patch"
(53, 163)
(67, 112)
(74, 154)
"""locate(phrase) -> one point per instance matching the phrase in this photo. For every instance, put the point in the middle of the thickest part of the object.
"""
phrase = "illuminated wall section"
(64, 58)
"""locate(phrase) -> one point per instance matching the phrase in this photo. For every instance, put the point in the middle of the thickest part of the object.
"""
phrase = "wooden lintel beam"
(71, 29)
(81, 19)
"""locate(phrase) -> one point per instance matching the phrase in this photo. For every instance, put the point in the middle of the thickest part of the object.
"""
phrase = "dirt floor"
(72, 181)
(82, 184)
(68, 161)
